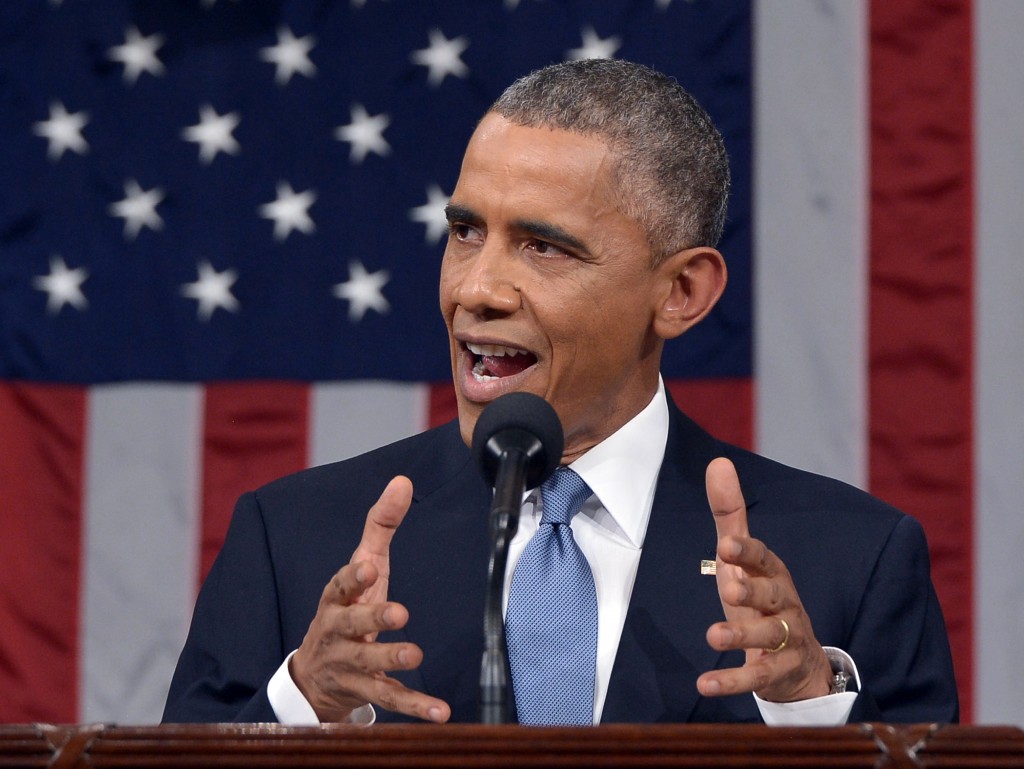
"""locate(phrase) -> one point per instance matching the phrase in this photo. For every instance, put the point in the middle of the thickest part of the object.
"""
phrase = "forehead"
(547, 166)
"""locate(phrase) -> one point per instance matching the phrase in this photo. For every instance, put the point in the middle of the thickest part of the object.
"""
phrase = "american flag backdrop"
(220, 228)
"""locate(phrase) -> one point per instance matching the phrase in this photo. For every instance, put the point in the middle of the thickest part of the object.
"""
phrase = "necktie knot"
(564, 494)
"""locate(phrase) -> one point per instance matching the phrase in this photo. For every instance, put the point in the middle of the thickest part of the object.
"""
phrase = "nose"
(486, 286)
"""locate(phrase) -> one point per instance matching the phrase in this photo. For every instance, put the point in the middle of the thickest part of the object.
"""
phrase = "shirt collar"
(622, 470)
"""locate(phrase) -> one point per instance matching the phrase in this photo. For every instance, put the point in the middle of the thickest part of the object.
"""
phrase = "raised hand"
(763, 612)
(340, 666)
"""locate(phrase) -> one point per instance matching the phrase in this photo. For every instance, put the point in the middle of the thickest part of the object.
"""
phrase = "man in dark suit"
(581, 239)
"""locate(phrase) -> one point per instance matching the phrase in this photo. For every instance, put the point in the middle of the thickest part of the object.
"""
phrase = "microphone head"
(519, 421)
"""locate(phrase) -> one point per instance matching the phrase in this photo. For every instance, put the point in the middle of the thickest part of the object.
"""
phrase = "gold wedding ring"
(785, 640)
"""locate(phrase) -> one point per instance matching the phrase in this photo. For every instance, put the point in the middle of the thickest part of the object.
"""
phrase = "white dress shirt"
(622, 472)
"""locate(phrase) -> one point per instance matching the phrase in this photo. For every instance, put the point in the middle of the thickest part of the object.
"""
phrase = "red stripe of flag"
(920, 287)
(41, 449)
(723, 407)
(442, 407)
(253, 432)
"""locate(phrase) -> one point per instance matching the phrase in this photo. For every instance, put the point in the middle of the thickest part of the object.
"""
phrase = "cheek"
(611, 339)
(445, 291)
(452, 277)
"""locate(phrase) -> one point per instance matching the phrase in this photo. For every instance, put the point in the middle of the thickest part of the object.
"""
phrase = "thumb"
(726, 499)
(385, 517)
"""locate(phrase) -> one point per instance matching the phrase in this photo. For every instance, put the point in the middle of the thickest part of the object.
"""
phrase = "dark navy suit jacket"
(861, 568)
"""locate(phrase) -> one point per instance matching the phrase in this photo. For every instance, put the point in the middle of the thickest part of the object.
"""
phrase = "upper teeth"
(496, 350)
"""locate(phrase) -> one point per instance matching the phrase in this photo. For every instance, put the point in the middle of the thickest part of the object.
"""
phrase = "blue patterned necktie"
(551, 622)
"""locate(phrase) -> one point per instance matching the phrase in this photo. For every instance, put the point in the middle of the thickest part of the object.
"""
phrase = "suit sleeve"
(899, 639)
(234, 644)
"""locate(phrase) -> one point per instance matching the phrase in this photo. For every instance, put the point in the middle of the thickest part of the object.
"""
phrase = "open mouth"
(495, 361)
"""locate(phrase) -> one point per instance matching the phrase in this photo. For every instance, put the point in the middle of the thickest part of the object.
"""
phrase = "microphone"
(518, 422)
(517, 443)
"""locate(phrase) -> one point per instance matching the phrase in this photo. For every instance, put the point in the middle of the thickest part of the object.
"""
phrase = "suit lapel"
(663, 647)
(439, 560)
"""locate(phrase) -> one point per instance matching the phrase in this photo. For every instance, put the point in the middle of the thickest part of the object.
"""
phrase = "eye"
(549, 250)
(462, 232)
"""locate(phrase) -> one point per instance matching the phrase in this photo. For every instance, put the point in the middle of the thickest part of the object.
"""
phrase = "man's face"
(546, 287)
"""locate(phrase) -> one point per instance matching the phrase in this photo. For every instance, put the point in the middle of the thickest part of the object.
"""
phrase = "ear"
(692, 282)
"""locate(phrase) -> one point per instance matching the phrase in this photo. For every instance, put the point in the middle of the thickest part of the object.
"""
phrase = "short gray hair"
(672, 173)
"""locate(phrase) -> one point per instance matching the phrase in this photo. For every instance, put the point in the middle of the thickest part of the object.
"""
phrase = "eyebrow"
(456, 213)
(539, 229)
(552, 233)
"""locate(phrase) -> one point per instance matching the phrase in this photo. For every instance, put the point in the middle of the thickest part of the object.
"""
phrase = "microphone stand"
(509, 486)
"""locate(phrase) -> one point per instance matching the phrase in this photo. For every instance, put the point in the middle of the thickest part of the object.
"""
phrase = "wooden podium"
(467, 745)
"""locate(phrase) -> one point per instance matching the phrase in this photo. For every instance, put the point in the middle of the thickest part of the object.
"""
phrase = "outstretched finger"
(756, 560)
(349, 583)
(749, 678)
(769, 634)
(726, 499)
(365, 620)
(384, 518)
(392, 695)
